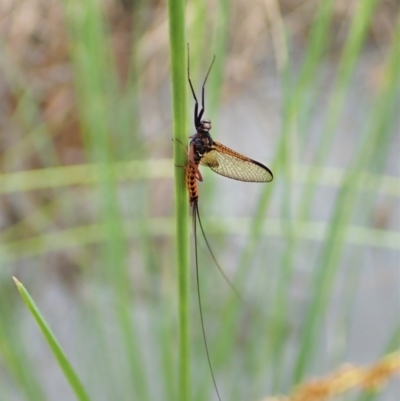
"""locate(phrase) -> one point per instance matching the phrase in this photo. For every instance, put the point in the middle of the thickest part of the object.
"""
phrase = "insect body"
(203, 150)
(191, 182)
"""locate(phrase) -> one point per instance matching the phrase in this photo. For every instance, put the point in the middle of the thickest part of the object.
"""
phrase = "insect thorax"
(202, 144)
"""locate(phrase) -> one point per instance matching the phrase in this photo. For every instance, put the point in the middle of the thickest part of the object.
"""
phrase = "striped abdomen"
(191, 182)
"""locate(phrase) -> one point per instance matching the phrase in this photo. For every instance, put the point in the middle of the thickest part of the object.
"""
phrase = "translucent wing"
(227, 162)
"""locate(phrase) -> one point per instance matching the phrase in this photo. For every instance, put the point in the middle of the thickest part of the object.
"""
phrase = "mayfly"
(203, 150)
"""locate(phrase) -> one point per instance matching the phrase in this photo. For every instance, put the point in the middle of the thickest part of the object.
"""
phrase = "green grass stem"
(176, 15)
(54, 345)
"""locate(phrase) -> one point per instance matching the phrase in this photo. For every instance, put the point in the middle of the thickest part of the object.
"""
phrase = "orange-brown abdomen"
(191, 182)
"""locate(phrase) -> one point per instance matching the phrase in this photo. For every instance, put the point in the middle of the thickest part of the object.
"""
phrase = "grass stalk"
(54, 345)
(176, 13)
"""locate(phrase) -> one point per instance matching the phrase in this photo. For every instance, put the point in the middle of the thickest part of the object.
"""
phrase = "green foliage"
(56, 348)
(128, 321)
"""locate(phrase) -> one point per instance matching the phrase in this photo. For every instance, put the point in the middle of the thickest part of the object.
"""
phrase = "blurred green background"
(310, 89)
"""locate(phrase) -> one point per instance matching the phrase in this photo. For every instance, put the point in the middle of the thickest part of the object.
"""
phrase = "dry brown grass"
(348, 377)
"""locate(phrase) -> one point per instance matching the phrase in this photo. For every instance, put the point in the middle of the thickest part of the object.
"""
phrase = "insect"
(222, 160)
(203, 150)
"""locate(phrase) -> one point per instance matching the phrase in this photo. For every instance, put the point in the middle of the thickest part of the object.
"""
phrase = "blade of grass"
(83, 175)
(54, 345)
